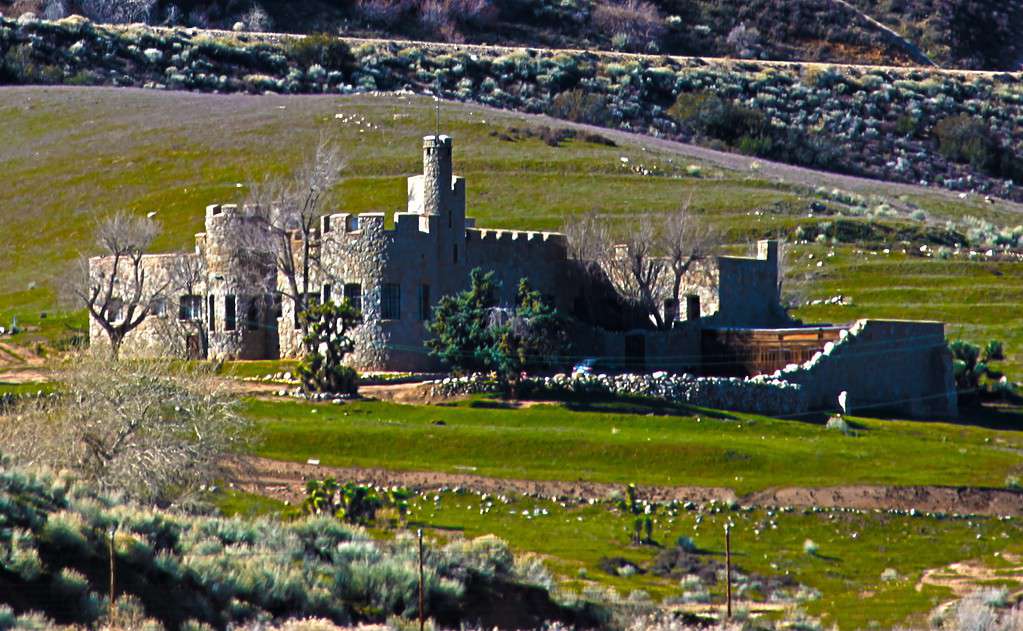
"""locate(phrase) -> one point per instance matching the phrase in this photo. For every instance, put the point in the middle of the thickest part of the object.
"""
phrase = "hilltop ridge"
(946, 33)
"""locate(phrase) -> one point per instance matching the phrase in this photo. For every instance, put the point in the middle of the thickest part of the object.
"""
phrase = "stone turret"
(237, 308)
(436, 174)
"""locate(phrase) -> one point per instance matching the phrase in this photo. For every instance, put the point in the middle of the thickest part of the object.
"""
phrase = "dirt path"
(604, 54)
(964, 577)
(912, 49)
(285, 480)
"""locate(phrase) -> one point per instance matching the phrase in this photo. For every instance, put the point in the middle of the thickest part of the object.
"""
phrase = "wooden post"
(113, 570)
(422, 583)
(728, 571)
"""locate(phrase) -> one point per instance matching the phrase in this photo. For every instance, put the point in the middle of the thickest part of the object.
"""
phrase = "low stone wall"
(760, 395)
(882, 366)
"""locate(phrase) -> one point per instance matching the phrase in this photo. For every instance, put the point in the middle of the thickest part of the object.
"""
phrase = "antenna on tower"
(437, 106)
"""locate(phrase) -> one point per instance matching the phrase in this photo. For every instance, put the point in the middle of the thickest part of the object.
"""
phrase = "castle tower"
(436, 174)
(236, 310)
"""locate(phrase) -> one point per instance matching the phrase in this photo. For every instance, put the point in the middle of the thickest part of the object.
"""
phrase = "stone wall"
(541, 257)
(736, 291)
(675, 350)
(883, 366)
(161, 334)
(760, 395)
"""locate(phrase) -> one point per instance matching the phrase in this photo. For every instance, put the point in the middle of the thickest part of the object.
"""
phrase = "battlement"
(221, 210)
(432, 141)
(490, 235)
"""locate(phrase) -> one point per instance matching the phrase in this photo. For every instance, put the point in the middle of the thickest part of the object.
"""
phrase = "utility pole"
(422, 596)
(113, 570)
(728, 571)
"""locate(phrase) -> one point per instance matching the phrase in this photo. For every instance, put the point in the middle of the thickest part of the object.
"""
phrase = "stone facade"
(395, 274)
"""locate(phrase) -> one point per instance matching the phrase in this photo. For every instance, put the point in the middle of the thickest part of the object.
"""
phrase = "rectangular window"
(229, 313)
(158, 307)
(252, 314)
(114, 309)
(326, 293)
(692, 307)
(276, 302)
(211, 308)
(424, 302)
(670, 310)
(353, 294)
(390, 301)
(190, 307)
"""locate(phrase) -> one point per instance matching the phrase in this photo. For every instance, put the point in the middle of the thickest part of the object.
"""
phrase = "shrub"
(326, 50)
(156, 430)
(117, 11)
(966, 139)
(632, 20)
(327, 328)
(687, 544)
(1013, 482)
(579, 106)
(974, 373)
(384, 13)
(838, 424)
(717, 118)
(351, 503)
(890, 574)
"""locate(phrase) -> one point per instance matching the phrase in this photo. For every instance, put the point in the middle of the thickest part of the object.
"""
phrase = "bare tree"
(154, 430)
(685, 239)
(636, 270)
(114, 289)
(286, 213)
(648, 264)
(117, 11)
(185, 332)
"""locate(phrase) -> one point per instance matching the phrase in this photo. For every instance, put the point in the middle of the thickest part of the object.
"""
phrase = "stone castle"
(216, 305)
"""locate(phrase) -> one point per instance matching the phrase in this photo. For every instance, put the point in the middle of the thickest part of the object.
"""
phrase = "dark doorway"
(193, 347)
(635, 352)
(692, 307)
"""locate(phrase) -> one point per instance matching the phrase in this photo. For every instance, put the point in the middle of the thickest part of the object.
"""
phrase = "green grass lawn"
(259, 368)
(628, 443)
(854, 548)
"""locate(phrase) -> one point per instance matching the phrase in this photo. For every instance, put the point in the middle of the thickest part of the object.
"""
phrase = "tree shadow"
(1001, 416)
(1005, 416)
(424, 525)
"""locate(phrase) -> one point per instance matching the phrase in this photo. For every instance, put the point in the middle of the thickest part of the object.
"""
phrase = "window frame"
(390, 301)
(230, 312)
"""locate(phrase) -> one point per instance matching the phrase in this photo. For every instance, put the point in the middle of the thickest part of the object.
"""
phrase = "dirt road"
(285, 481)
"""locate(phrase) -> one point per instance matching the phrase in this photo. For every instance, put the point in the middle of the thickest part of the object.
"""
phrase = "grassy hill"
(76, 154)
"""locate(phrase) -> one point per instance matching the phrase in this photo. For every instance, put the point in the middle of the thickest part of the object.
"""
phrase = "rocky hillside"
(961, 131)
(977, 34)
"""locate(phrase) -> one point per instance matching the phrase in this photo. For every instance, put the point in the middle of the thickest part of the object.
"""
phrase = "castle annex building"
(220, 301)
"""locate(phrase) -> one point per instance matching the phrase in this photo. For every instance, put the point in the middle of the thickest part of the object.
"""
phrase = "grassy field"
(619, 443)
(71, 156)
(843, 578)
